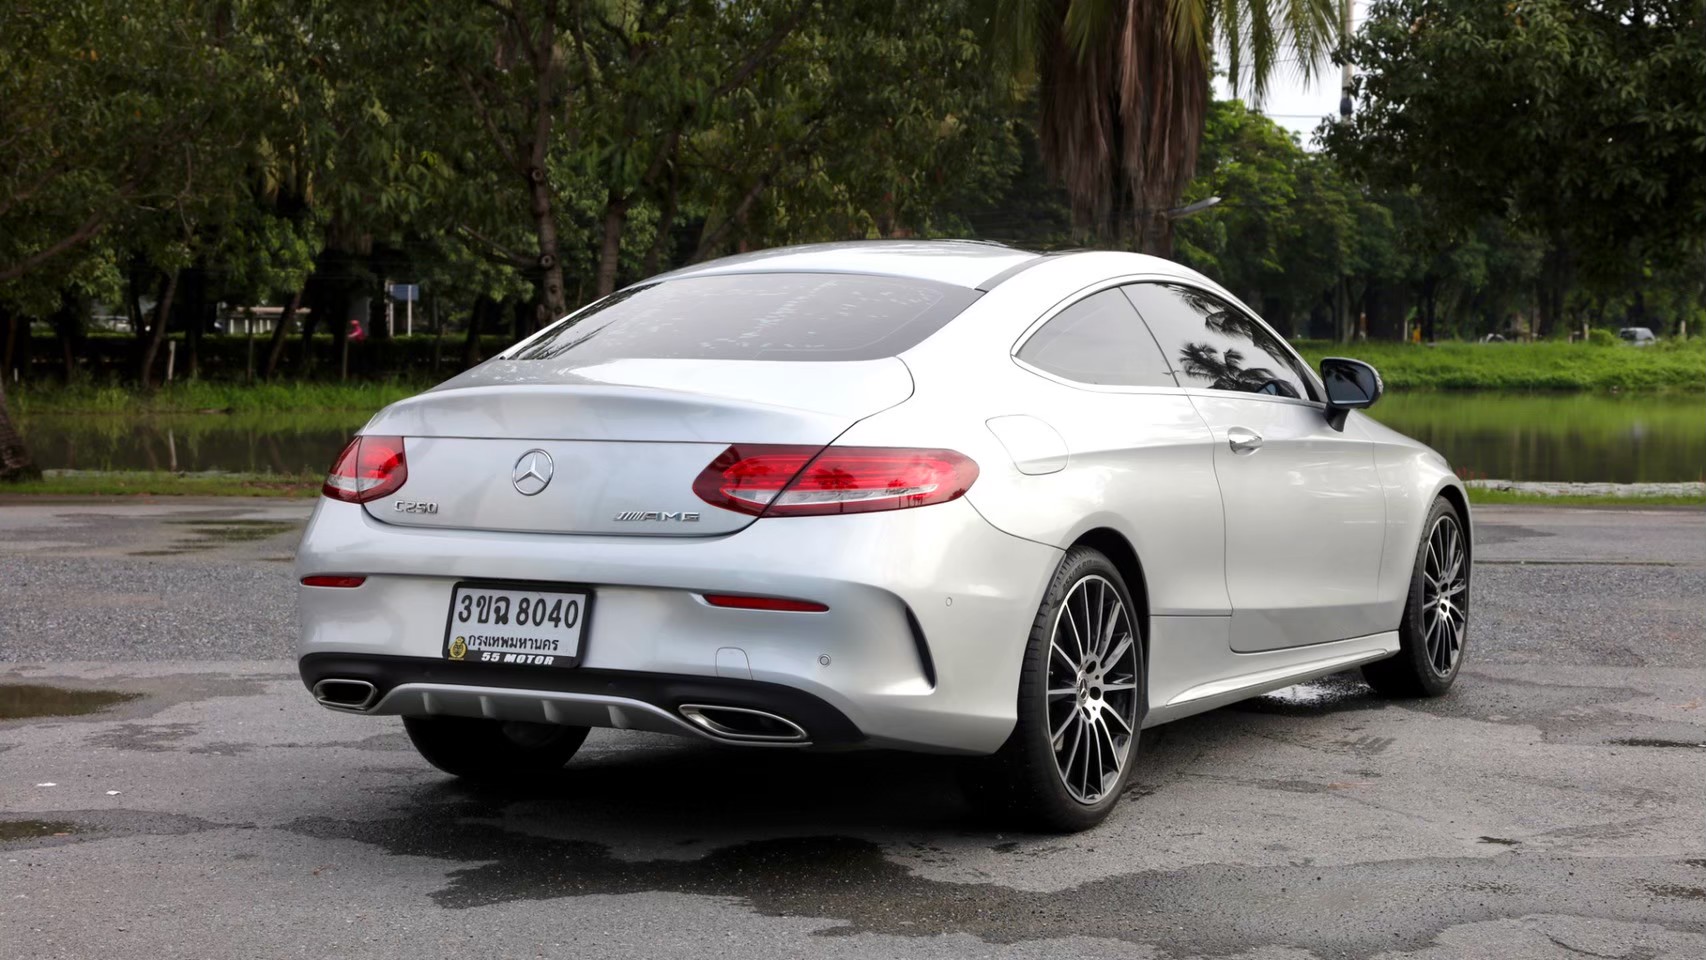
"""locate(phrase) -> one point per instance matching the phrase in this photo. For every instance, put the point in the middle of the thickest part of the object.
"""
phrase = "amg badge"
(668, 515)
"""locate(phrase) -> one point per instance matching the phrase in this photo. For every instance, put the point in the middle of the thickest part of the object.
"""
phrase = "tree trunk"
(197, 316)
(66, 320)
(1430, 301)
(660, 240)
(8, 347)
(15, 463)
(157, 335)
(1554, 280)
(471, 344)
(609, 256)
(1154, 234)
(545, 226)
(275, 348)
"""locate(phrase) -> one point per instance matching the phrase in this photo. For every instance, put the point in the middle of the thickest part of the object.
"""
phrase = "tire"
(1046, 776)
(1433, 636)
(493, 750)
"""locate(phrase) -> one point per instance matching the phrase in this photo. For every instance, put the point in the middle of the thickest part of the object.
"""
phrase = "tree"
(1124, 89)
(1581, 123)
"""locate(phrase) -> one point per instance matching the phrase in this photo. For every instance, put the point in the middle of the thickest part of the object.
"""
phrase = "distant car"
(1639, 336)
(949, 497)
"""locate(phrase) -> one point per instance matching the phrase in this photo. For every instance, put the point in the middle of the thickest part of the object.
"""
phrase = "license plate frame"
(584, 593)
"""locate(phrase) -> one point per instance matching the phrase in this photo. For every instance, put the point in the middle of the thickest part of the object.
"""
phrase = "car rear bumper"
(659, 702)
(929, 610)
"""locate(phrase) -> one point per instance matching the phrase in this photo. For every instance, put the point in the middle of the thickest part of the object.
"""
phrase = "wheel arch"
(1113, 544)
(1459, 500)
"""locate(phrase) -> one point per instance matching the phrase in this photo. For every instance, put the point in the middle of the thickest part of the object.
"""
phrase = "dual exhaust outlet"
(733, 724)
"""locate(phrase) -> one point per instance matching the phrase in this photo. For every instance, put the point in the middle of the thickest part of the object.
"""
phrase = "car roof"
(964, 263)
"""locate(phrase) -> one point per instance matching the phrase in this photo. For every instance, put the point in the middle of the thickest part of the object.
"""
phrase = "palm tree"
(1123, 86)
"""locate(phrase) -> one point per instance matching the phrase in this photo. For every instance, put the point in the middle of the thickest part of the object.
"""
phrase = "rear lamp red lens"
(333, 581)
(777, 481)
(763, 603)
(367, 469)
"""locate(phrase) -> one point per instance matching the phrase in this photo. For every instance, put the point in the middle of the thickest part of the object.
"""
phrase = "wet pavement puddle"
(206, 534)
(20, 701)
(11, 830)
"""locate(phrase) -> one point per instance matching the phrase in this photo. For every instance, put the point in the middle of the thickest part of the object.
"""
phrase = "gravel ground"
(1551, 806)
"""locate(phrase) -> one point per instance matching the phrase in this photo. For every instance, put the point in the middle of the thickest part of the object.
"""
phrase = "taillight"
(369, 468)
(743, 602)
(795, 481)
(329, 580)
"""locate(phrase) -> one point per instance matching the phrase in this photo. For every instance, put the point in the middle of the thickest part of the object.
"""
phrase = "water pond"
(1585, 437)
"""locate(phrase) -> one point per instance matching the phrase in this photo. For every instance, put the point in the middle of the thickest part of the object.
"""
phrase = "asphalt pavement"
(167, 789)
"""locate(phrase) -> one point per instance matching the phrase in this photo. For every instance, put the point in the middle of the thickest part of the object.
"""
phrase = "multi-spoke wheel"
(1092, 688)
(1435, 627)
(1081, 701)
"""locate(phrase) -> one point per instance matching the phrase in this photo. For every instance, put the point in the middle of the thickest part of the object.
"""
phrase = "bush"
(1602, 338)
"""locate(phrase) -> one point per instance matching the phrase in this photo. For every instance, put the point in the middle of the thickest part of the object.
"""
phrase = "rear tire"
(493, 750)
(1082, 699)
(1433, 636)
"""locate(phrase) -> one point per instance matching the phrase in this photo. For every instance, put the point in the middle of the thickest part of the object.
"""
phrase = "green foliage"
(1584, 124)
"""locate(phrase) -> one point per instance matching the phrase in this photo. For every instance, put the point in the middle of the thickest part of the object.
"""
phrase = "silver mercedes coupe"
(937, 496)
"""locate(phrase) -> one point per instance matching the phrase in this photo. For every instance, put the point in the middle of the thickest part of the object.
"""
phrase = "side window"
(1211, 343)
(1100, 340)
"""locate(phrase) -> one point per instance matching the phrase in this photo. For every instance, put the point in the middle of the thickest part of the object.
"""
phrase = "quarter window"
(1210, 343)
(1099, 340)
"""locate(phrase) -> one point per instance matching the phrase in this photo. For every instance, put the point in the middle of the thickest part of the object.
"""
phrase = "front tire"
(493, 750)
(1082, 698)
(1434, 633)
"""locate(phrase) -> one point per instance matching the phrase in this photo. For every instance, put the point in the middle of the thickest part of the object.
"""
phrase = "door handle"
(1243, 440)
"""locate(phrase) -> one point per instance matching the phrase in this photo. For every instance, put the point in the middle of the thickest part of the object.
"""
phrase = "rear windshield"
(755, 316)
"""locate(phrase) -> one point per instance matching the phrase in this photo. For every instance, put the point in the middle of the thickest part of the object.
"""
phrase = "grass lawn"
(210, 396)
(1479, 496)
(1548, 365)
(150, 483)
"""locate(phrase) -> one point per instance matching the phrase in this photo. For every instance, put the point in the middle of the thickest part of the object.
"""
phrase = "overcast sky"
(1297, 106)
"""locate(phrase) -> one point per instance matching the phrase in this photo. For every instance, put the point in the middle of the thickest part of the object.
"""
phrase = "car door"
(1305, 512)
(1103, 398)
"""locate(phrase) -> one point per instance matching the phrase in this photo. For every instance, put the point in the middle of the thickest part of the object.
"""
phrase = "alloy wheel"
(1445, 595)
(1092, 688)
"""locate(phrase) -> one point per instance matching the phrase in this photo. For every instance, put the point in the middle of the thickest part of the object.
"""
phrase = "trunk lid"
(610, 449)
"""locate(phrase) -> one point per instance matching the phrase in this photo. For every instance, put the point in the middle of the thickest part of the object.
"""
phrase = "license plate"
(516, 623)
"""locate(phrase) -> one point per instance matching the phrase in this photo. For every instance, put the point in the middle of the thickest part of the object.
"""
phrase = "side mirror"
(1351, 385)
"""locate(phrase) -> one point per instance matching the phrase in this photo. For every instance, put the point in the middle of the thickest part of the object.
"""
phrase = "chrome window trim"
(1233, 302)
(1071, 300)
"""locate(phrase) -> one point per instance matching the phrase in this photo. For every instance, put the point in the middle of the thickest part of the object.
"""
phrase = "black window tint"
(756, 316)
(1099, 339)
(1211, 343)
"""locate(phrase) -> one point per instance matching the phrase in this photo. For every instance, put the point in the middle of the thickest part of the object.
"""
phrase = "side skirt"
(1192, 667)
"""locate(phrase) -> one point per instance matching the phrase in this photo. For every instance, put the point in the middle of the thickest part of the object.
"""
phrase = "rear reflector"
(792, 481)
(367, 469)
(328, 581)
(763, 603)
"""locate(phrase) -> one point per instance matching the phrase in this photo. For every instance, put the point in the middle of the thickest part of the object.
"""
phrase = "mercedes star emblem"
(532, 472)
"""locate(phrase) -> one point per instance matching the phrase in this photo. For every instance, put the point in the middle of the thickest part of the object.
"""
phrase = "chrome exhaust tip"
(742, 724)
(351, 695)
